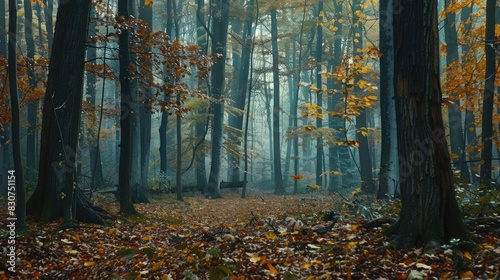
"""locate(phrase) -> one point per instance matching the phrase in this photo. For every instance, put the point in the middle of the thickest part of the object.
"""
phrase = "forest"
(247, 139)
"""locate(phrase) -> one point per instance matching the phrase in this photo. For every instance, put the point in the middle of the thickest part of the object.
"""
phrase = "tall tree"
(145, 96)
(54, 194)
(241, 84)
(319, 93)
(201, 128)
(388, 176)
(14, 101)
(162, 130)
(97, 179)
(489, 94)
(334, 100)
(454, 114)
(365, 163)
(430, 215)
(279, 187)
(126, 103)
(220, 21)
(5, 127)
(32, 105)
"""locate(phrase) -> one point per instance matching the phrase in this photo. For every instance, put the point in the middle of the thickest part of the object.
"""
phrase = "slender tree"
(454, 114)
(489, 92)
(14, 101)
(5, 127)
(220, 21)
(430, 215)
(32, 105)
(319, 94)
(388, 161)
(279, 187)
(201, 128)
(126, 103)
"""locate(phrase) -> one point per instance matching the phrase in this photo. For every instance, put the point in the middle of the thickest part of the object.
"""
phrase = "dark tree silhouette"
(56, 193)
(430, 215)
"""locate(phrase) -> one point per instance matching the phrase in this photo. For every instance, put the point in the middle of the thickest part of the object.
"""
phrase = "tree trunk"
(18, 173)
(489, 95)
(319, 94)
(454, 113)
(279, 188)
(97, 179)
(5, 127)
(33, 104)
(49, 25)
(53, 196)
(200, 130)
(145, 95)
(388, 176)
(365, 164)
(126, 126)
(430, 215)
(220, 20)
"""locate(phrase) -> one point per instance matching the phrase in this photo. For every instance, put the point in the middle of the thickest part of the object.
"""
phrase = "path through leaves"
(260, 237)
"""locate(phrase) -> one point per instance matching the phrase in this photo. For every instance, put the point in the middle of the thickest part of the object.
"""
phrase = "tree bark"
(319, 94)
(33, 104)
(220, 20)
(388, 176)
(18, 173)
(489, 95)
(53, 196)
(279, 188)
(454, 114)
(200, 129)
(126, 103)
(430, 215)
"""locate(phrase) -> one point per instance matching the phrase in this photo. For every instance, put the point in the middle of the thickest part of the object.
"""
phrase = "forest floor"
(259, 237)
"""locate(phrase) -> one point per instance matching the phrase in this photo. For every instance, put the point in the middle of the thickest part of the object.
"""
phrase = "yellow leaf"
(270, 236)
(148, 3)
(350, 245)
(467, 275)
(190, 259)
(467, 255)
(89, 263)
(272, 270)
(255, 258)
(357, 190)
(335, 172)
(147, 238)
(111, 231)
(453, 156)
(306, 265)
(313, 187)
(157, 266)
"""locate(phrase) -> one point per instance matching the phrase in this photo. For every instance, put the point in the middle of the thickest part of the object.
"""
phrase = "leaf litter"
(258, 237)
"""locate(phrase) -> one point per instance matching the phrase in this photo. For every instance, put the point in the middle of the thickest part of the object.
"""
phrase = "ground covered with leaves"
(259, 237)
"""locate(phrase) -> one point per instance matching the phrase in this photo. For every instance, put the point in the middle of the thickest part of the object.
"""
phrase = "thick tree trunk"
(430, 215)
(220, 18)
(388, 176)
(279, 187)
(53, 196)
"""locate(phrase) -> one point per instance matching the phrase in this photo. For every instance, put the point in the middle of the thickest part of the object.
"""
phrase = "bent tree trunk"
(430, 215)
(53, 196)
